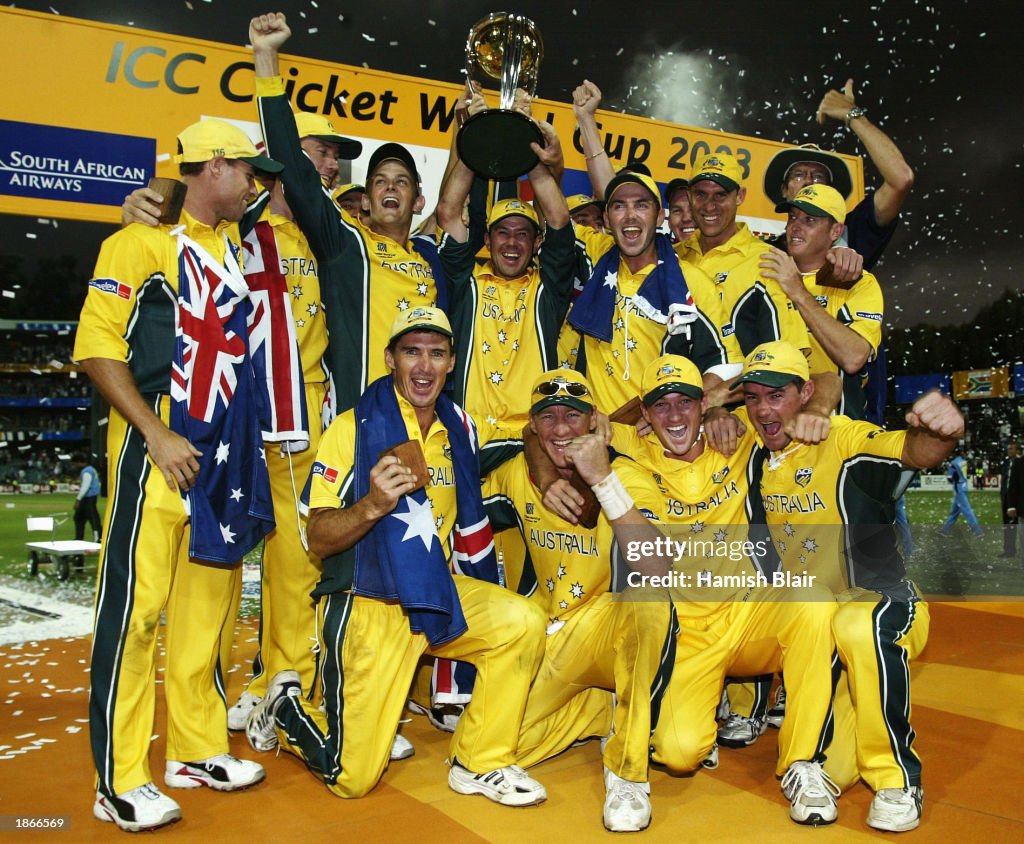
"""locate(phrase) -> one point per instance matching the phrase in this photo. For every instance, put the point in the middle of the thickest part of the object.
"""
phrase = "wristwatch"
(854, 113)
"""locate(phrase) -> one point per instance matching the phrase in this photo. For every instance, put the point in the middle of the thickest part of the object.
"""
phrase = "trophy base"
(495, 144)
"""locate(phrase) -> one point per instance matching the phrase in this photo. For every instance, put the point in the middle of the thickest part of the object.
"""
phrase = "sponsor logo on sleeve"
(329, 473)
(115, 288)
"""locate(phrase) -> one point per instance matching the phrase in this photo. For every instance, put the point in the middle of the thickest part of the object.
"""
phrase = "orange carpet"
(969, 688)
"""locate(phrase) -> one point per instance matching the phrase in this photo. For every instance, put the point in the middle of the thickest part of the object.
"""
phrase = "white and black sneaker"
(444, 716)
(260, 728)
(812, 794)
(145, 807)
(510, 786)
(710, 762)
(239, 713)
(401, 748)
(777, 712)
(221, 773)
(896, 809)
(739, 731)
(627, 804)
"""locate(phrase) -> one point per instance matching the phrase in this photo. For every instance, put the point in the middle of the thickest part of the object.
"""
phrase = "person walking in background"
(88, 495)
(1009, 491)
(961, 506)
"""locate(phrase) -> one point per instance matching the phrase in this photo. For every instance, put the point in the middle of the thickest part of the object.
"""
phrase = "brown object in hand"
(410, 454)
(629, 413)
(591, 506)
(173, 192)
(826, 277)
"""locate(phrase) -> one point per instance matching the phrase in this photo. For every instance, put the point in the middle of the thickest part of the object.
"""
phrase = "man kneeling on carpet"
(371, 514)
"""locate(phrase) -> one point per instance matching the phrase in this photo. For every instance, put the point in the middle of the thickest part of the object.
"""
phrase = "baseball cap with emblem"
(720, 168)
(209, 138)
(625, 177)
(671, 374)
(319, 126)
(818, 201)
(512, 208)
(773, 364)
(581, 200)
(782, 162)
(420, 318)
(561, 386)
(392, 152)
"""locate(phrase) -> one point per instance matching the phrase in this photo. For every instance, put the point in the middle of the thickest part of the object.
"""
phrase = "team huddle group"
(461, 438)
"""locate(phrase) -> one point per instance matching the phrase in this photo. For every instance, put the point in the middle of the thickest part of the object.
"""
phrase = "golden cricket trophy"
(506, 49)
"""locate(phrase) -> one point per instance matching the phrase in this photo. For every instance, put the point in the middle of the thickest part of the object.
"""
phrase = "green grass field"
(960, 565)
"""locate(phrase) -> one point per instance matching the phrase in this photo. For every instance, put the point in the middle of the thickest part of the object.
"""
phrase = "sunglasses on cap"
(553, 388)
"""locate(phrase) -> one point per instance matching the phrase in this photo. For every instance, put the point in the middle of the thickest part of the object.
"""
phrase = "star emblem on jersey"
(697, 527)
(609, 369)
(485, 347)
(297, 291)
(561, 571)
(551, 584)
(313, 310)
(619, 324)
(300, 323)
(611, 280)
(419, 521)
(515, 345)
(577, 590)
(496, 378)
(782, 547)
(810, 544)
(222, 453)
(226, 534)
(789, 529)
(403, 304)
(720, 535)
(236, 495)
(421, 288)
(563, 605)
(502, 336)
(631, 344)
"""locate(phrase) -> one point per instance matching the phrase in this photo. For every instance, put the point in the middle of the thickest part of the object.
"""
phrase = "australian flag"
(214, 406)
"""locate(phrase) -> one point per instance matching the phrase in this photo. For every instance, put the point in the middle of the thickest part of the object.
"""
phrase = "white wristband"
(612, 497)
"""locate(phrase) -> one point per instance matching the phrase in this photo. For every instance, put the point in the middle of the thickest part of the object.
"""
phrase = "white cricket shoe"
(401, 748)
(261, 729)
(145, 807)
(812, 794)
(896, 809)
(239, 713)
(739, 731)
(221, 773)
(510, 786)
(777, 713)
(627, 804)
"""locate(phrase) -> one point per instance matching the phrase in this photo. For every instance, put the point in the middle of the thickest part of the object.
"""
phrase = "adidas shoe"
(896, 809)
(777, 712)
(145, 807)
(812, 794)
(401, 748)
(711, 760)
(260, 728)
(627, 804)
(239, 713)
(510, 786)
(444, 716)
(738, 731)
(221, 773)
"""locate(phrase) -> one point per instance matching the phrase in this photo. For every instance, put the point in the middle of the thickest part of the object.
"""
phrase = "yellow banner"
(87, 104)
(981, 383)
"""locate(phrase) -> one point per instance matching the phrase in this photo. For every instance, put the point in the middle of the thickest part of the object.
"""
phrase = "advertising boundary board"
(96, 100)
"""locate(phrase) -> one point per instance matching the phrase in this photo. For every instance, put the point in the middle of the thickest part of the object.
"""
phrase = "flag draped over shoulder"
(214, 406)
(273, 344)
(663, 296)
(401, 558)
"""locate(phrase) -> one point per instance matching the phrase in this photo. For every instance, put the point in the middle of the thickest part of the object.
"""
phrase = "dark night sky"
(937, 77)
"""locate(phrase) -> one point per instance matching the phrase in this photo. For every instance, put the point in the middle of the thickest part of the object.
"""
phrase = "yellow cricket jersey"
(299, 270)
(812, 494)
(859, 307)
(331, 484)
(704, 510)
(615, 368)
(131, 304)
(568, 564)
(755, 306)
